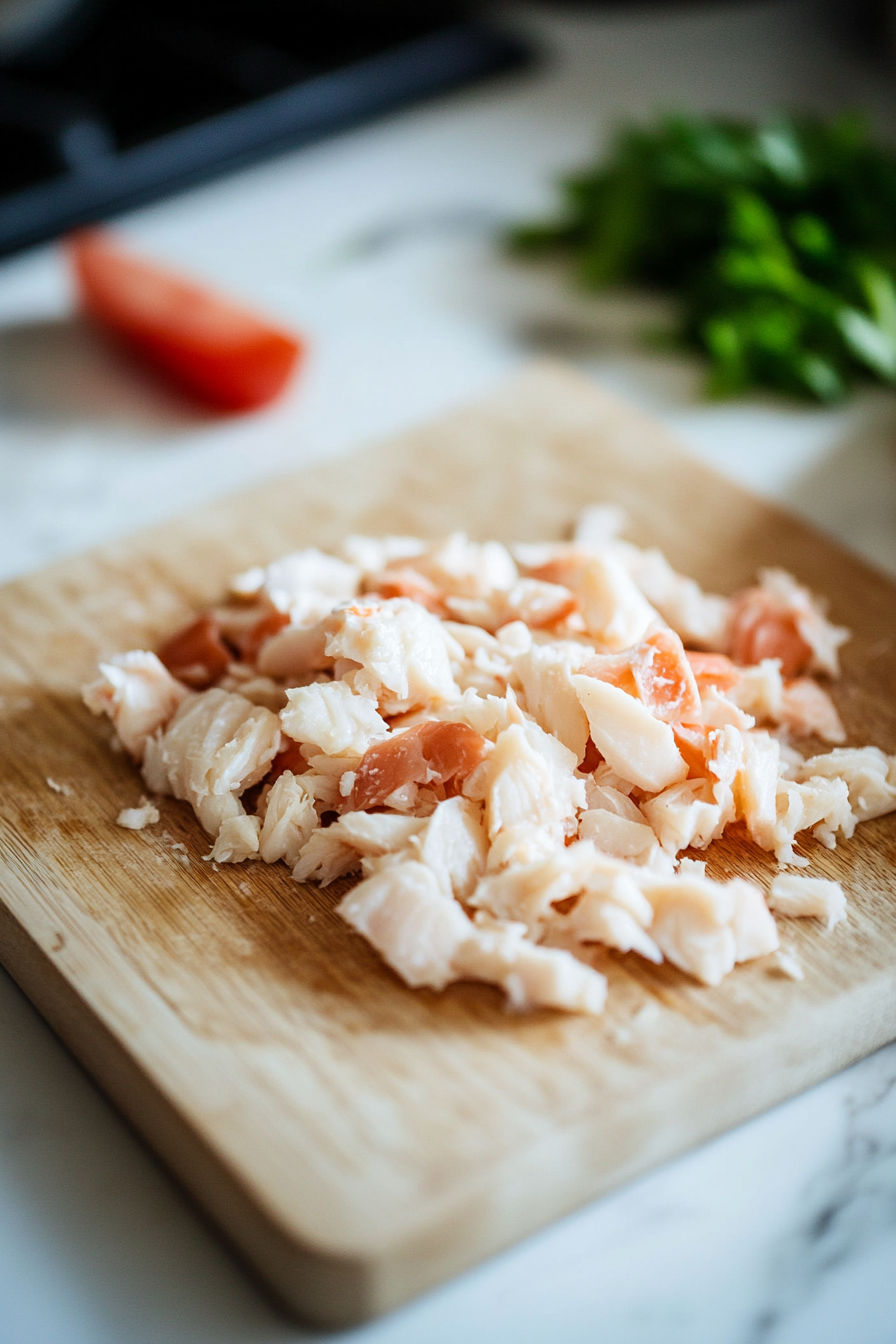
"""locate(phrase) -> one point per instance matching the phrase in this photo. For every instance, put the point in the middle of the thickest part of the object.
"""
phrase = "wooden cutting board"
(357, 1141)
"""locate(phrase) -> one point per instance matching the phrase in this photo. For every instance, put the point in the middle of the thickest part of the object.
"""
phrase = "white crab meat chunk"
(808, 709)
(520, 845)
(237, 840)
(373, 834)
(613, 608)
(609, 798)
(701, 619)
(725, 763)
(799, 896)
(305, 584)
(216, 746)
(485, 668)
(325, 856)
(756, 786)
(340, 848)
(290, 817)
(637, 746)
(453, 844)
(139, 695)
(330, 716)
(487, 715)
(705, 927)
(515, 638)
(545, 673)
(258, 691)
(531, 602)
(461, 568)
(596, 920)
(818, 803)
(612, 908)
(531, 976)
(869, 774)
(718, 711)
(404, 913)
(760, 690)
(683, 816)
(526, 892)
(617, 835)
(754, 928)
(606, 777)
(374, 554)
(401, 653)
(296, 652)
(529, 781)
(692, 867)
(473, 640)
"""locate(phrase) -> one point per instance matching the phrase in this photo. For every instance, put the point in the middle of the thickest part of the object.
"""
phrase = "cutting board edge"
(324, 1288)
(873, 1026)
(303, 1281)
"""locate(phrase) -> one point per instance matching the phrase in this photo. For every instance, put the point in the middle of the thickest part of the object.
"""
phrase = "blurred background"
(104, 103)
(351, 170)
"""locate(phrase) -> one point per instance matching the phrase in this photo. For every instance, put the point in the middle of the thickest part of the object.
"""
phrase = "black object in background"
(126, 100)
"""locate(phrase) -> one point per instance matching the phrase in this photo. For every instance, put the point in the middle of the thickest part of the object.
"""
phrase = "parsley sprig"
(779, 239)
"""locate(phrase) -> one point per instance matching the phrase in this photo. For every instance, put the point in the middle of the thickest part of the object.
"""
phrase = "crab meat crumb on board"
(512, 748)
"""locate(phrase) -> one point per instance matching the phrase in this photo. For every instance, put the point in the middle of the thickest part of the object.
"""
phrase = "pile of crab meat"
(512, 747)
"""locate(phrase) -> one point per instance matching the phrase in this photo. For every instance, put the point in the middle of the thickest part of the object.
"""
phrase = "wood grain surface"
(358, 1141)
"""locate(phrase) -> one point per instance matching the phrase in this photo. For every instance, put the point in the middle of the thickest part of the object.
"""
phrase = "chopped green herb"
(780, 241)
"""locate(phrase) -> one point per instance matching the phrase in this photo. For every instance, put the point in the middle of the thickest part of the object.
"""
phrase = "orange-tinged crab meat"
(761, 627)
(656, 671)
(406, 582)
(713, 669)
(268, 624)
(564, 568)
(694, 742)
(664, 678)
(197, 655)
(431, 753)
(613, 668)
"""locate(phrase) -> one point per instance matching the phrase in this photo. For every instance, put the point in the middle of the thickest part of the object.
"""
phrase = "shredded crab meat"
(139, 695)
(215, 747)
(393, 651)
(800, 897)
(780, 619)
(517, 751)
(138, 818)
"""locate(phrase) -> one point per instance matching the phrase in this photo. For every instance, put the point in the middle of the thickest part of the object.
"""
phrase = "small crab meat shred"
(799, 896)
(215, 747)
(329, 716)
(394, 651)
(139, 695)
(517, 752)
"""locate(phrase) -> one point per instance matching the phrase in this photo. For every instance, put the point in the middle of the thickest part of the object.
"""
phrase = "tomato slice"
(209, 346)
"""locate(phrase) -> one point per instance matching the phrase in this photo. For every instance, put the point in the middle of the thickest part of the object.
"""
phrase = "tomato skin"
(209, 346)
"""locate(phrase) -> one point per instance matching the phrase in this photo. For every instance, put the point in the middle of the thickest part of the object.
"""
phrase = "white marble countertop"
(380, 245)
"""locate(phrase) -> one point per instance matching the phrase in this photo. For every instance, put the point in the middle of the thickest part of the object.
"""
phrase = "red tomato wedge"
(206, 344)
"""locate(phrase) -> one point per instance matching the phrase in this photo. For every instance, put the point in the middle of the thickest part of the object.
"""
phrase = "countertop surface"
(381, 245)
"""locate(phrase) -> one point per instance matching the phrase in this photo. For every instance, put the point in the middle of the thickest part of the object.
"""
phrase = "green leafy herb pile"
(779, 239)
